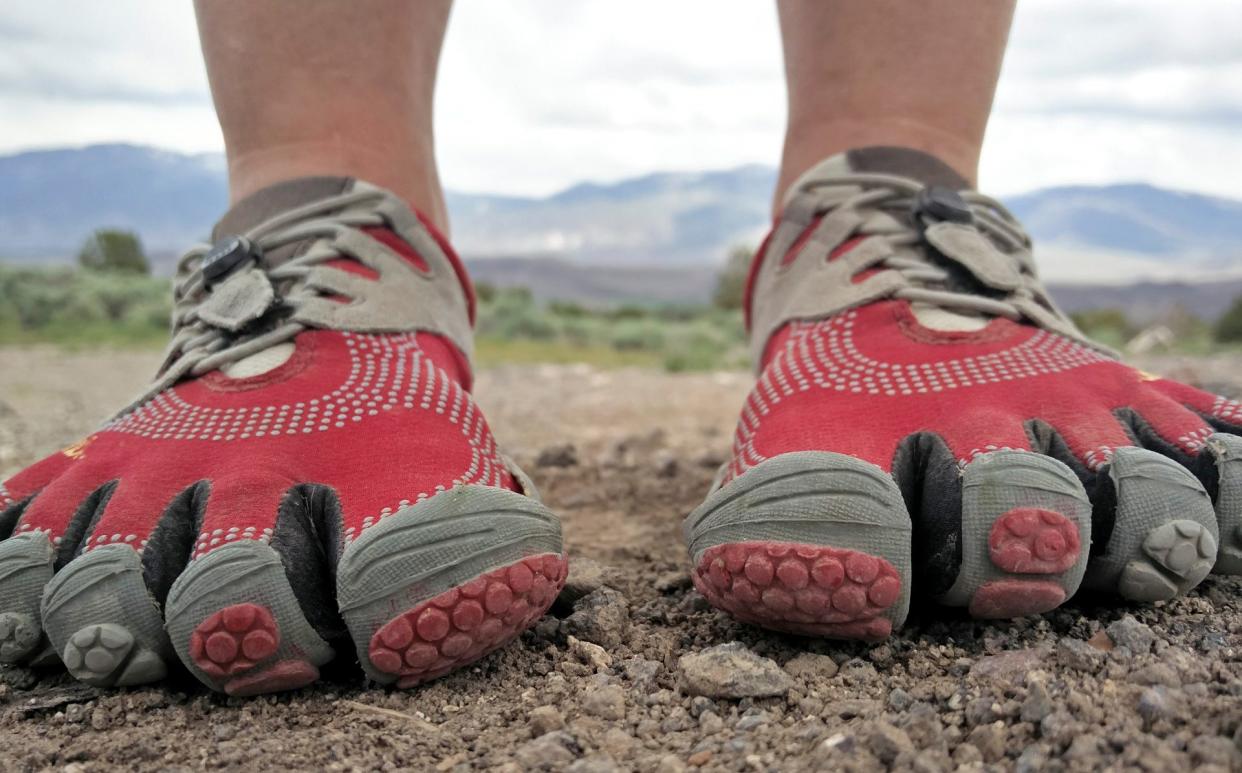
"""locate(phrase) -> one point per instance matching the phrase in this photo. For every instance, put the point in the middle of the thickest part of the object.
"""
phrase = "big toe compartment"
(812, 542)
(1164, 536)
(445, 581)
(1226, 452)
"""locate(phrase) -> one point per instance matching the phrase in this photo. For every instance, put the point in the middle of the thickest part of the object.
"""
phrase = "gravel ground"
(633, 671)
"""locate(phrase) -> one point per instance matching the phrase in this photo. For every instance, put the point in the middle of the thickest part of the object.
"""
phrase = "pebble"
(561, 455)
(809, 665)
(989, 739)
(1079, 655)
(600, 617)
(1009, 666)
(640, 671)
(886, 742)
(899, 699)
(551, 750)
(591, 654)
(732, 671)
(597, 764)
(1155, 674)
(544, 720)
(1038, 703)
(1153, 704)
(711, 723)
(585, 576)
(1136, 637)
(670, 763)
(607, 702)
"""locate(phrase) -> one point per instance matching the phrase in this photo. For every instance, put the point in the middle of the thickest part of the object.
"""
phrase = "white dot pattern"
(823, 355)
(1227, 410)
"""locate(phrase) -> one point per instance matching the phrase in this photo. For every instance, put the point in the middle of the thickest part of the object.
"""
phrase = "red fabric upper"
(383, 419)
(862, 381)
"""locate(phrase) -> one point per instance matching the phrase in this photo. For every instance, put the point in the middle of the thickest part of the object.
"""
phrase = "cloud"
(536, 95)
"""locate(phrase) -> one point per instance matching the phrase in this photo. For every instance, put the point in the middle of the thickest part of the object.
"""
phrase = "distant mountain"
(51, 200)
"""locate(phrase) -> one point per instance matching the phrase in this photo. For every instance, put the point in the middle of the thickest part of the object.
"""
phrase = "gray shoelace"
(861, 197)
(199, 346)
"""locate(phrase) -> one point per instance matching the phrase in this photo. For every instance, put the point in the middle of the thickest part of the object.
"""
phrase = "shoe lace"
(891, 213)
(273, 295)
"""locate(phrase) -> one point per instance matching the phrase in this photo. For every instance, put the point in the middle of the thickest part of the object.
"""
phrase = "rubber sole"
(443, 582)
(811, 542)
(1165, 535)
(1226, 451)
(236, 624)
(103, 623)
(1026, 522)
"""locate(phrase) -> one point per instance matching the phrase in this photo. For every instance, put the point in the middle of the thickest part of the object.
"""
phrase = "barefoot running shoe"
(308, 469)
(927, 421)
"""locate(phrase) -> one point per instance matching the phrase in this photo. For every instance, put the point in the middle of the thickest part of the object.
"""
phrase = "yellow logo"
(78, 449)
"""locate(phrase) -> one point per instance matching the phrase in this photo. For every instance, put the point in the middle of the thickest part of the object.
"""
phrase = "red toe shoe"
(926, 423)
(308, 469)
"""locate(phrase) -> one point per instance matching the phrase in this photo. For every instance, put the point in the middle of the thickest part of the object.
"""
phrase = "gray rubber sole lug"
(999, 483)
(1226, 449)
(1164, 516)
(25, 569)
(103, 622)
(241, 574)
(431, 547)
(813, 498)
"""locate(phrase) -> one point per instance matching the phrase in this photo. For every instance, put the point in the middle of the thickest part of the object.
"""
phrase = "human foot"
(308, 468)
(927, 422)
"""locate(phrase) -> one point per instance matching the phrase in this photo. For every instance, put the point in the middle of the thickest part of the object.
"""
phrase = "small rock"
(670, 763)
(989, 739)
(597, 764)
(1033, 759)
(899, 699)
(99, 719)
(841, 742)
(1215, 750)
(666, 464)
(1038, 703)
(1085, 747)
(640, 671)
(1008, 666)
(809, 665)
(562, 455)
(857, 672)
(1136, 637)
(549, 751)
(1153, 704)
(544, 720)
(701, 758)
(618, 743)
(1059, 727)
(982, 711)
(710, 723)
(732, 671)
(1079, 655)
(591, 654)
(601, 617)
(1155, 674)
(606, 702)
(848, 708)
(751, 721)
(887, 742)
(585, 577)
(671, 582)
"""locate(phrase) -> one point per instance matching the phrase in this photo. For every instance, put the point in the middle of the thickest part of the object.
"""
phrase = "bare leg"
(316, 87)
(919, 74)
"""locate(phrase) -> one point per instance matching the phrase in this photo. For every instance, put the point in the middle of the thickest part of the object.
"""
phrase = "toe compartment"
(810, 590)
(236, 624)
(1164, 534)
(814, 543)
(1025, 524)
(445, 581)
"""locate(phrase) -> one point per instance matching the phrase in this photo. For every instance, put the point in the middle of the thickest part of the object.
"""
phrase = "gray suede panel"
(274, 200)
(906, 162)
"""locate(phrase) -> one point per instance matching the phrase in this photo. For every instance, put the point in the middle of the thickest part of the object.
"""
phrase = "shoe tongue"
(882, 159)
(275, 200)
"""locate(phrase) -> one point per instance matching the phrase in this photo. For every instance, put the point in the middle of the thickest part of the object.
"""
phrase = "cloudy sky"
(1096, 91)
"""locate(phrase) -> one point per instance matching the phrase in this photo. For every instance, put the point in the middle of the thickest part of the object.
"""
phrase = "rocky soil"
(632, 671)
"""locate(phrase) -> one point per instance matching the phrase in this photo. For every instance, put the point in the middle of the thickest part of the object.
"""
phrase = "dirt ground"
(605, 683)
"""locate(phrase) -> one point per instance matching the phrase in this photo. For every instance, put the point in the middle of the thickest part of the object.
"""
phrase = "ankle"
(808, 143)
(412, 178)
